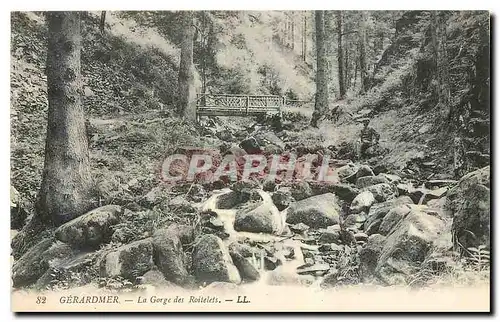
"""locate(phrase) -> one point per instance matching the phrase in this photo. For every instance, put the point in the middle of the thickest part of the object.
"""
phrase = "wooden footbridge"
(242, 105)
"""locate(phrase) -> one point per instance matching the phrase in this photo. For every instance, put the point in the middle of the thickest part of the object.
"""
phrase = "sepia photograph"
(250, 161)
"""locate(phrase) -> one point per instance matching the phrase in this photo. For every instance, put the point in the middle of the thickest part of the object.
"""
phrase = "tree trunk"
(293, 31)
(321, 101)
(102, 23)
(304, 37)
(187, 93)
(340, 56)
(67, 189)
(362, 54)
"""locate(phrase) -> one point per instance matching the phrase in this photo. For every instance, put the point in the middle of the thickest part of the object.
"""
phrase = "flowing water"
(288, 266)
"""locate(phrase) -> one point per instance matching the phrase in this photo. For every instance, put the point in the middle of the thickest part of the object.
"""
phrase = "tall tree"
(186, 105)
(321, 100)
(362, 52)
(67, 189)
(340, 55)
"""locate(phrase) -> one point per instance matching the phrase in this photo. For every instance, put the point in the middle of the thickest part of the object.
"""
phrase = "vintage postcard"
(250, 161)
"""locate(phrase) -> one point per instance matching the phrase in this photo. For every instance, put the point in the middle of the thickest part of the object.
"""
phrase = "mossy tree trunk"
(67, 189)
(321, 100)
(187, 93)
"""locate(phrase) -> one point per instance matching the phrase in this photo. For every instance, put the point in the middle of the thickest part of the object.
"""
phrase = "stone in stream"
(91, 229)
(235, 198)
(128, 261)
(364, 171)
(282, 199)
(323, 268)
(32, 265)
(269, 185)
(247, 271)
(301, 190)
(382, 191)
(261, 217)
(271, 262)
(329, 236)
(250, 145)
(316, 212)
(299, 228)
(347, 173)
(345, 192)
(423, 195)
(169, 255)
(364, 182)
(355, 220)
(362, 202)
(430, 184)
(212, 262)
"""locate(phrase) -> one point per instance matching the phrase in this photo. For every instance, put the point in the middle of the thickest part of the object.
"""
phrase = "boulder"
(471, 223)
(261, 217)
(455, 198)
(345, 192)
(244, 250)
(235, 198)
(180, 204)
(393, 217)
(355, 220)
(424, 195)
(301, 190)
(269, 185)
(316, 212)
(128, 261)
(91, 229)
(329, 236)
(364, 182)
(282, 199)
(347, 173)
(169, 256)
(250, 145)
(407, 246)
(32, 265)
(370, 254)
(362, 202)
(378, 211)
(247, 271)
(364, 171)
(382, 191)
(212, 262)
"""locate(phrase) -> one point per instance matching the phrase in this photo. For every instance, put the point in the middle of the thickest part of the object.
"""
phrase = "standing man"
(369, 137)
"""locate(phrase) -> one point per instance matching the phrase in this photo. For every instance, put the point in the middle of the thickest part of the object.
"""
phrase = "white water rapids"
(288, 267)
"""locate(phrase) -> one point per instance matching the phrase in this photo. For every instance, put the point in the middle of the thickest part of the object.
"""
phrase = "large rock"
(347, 173)
(378, 211)
(392, 218)
(282, 199)
(382, 191)
(424, 195)
(345, 192)
(317, 212)
(471, 223)
(301, 190)
(407, 246)
(169, 256)
(469, 203)
(262, 217)
(250, 145)
(32, 265)
(362, 202)
(91, 229)
(233, 199)
(128, 261)
(247, 271)
(364, 171)
(370, 254)
(366, 181)
(212, 262)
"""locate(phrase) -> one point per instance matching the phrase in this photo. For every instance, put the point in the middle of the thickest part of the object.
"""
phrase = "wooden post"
(247, 104)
